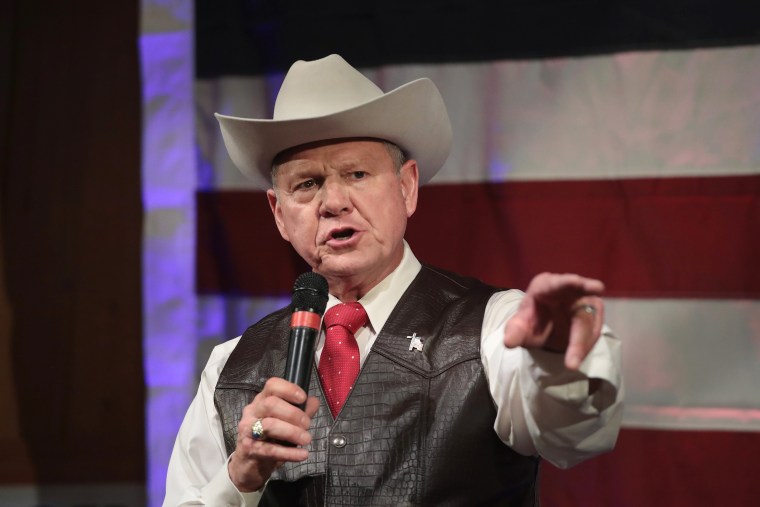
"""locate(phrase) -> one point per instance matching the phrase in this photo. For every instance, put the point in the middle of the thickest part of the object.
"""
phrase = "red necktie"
(339, 362)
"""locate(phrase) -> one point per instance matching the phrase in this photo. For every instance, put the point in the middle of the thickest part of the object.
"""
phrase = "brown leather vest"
(417, 428)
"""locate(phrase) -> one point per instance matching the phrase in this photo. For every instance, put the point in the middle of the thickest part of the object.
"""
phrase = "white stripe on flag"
(652, 114)
(689, 364)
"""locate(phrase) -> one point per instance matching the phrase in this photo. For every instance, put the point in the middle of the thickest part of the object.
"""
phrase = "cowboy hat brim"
(412, 116)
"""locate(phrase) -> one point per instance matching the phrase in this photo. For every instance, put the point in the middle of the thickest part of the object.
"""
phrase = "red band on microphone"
(305, 319)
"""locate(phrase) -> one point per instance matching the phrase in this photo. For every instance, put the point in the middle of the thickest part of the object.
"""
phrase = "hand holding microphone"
(270, 434)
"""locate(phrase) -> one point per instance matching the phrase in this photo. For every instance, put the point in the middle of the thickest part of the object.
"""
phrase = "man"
(459, 387)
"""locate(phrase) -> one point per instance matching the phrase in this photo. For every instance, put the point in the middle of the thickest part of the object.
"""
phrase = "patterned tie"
(339, 362)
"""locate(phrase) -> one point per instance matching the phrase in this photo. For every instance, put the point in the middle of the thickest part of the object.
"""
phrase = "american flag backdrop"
(617, 140)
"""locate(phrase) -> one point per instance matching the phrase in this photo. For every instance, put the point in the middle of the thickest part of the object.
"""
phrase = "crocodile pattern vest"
(417, 428)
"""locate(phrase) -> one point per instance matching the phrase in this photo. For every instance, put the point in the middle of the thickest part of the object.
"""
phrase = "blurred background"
(617, 139)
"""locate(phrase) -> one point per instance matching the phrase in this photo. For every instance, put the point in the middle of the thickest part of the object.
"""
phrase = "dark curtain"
(71, 371)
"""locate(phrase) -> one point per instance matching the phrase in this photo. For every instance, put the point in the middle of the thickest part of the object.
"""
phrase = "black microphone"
(309, 302)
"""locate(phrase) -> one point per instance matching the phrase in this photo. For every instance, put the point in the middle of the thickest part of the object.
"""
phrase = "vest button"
(339, 441)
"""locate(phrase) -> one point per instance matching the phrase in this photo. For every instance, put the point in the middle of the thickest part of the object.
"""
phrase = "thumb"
(521, 331)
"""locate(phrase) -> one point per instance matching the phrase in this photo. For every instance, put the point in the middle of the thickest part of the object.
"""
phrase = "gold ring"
(257, 430)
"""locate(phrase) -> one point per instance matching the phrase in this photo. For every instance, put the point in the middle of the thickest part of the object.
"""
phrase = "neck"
(352, 287)
(347, 291)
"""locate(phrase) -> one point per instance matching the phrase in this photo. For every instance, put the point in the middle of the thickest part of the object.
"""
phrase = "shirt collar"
(380, 301)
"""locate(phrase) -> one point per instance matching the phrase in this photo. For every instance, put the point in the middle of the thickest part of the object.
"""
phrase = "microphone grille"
(310, 293)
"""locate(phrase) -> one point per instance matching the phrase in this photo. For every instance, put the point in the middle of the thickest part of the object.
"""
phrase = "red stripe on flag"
(670, 237)
(673, 468)
(238, 248)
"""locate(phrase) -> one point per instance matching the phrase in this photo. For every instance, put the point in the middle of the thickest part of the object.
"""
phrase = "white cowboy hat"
(328, 99)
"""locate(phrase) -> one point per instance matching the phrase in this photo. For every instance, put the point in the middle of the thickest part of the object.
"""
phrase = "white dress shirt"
(542, 408)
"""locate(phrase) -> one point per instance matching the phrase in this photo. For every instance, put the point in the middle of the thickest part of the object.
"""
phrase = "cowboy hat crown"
(328, 99)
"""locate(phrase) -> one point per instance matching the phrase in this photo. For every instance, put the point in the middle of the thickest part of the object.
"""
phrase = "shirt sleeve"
(543, 408)
(197, 473)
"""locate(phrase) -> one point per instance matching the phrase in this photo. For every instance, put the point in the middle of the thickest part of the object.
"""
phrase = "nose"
(335, 199)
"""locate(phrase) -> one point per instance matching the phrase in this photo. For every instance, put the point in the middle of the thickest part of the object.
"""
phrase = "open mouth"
(342, 234)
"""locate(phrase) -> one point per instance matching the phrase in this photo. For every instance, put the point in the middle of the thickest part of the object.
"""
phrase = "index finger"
(547, 286)
(288, 391)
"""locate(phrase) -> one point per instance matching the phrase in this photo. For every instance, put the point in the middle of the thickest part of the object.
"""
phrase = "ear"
(409, 175)
(274, 205)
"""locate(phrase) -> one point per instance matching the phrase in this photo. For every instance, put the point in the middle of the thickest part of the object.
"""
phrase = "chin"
(342, 267)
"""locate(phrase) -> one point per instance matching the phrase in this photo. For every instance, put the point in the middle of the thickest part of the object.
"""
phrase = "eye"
(306, 184)
(358, 175)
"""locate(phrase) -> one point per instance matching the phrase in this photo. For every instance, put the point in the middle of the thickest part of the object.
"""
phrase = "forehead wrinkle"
(338, 163)
(304, 161)
(298, 167)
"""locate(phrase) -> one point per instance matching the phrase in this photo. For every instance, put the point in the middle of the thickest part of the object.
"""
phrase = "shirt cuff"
(224, 493)
(548, 371)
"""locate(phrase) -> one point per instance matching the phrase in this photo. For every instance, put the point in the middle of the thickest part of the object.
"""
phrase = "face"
(344, 208)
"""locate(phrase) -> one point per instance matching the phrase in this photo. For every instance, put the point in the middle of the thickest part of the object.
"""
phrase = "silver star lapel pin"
(415, 342)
